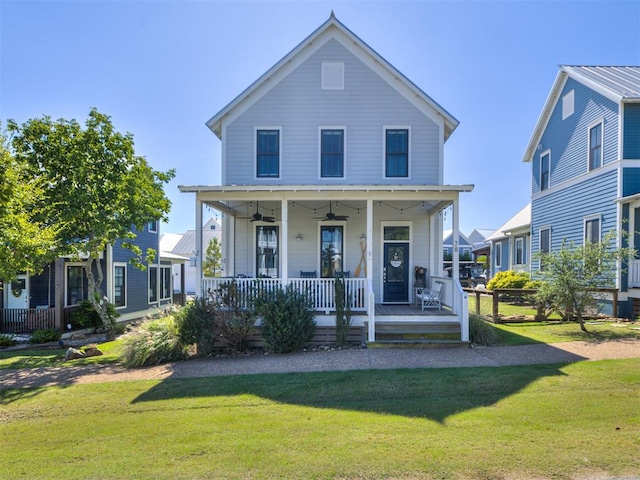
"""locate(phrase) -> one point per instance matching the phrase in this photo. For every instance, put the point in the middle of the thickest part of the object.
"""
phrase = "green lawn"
(543, 421)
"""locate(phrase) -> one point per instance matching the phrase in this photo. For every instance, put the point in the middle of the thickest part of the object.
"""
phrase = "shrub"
(7, 341)
(151, 343)
(196, 324)
(235, 324)
(508, 279)
(343, 311)
(87, 317)
(287, 319)
(46, 335)
(481, 332)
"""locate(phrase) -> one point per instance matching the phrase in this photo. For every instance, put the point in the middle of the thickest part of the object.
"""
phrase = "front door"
(18, 293)
(395, 275)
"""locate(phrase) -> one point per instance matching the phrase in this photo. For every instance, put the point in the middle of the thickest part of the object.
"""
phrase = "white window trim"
(255, 152)
(126, 284)
(66, 279)
(589, 218)
(157, 267)
(254, 246)
(515, 251)
(540, 230)
(161, 271)
(335, 223)
(600, 122)
(498, 258)
(384, 150)
(155, 226)
(344, 150)
(568, 100)
(546, 152)
(325, 86)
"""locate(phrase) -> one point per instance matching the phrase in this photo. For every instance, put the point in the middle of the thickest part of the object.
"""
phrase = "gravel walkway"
(336, 360)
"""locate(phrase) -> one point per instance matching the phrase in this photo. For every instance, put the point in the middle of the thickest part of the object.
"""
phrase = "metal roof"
(622, 81)
(520, 220)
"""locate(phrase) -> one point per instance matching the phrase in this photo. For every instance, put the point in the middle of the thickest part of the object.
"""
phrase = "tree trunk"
(94, 287)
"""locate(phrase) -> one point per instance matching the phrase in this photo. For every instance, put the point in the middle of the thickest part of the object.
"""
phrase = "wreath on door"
(17, 291)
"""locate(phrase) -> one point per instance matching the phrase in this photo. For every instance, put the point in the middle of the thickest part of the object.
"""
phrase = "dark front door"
(395, 276)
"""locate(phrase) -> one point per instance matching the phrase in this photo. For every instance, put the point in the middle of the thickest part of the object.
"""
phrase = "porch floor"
(409, 309)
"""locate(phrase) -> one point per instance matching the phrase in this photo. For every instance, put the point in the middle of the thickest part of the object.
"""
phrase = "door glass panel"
(396, 233)
(267, 251)
(75, 285)
(331, 250)
(396, 267)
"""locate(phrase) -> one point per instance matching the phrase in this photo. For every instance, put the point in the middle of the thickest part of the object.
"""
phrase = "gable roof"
(447, 238)
(616, 83)
(334, 29)
(520, 220)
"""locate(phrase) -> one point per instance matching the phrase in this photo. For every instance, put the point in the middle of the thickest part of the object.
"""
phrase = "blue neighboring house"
(585, 162)
(511, 244)
(46, 300)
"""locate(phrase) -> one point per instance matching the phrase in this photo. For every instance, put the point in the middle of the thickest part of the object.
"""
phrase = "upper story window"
(332, 153)
(153, 226)
(268, 153)
(545, 160)
(595, 146)
(568, 104)
(592, 230)
(332, 76)
(396, 147)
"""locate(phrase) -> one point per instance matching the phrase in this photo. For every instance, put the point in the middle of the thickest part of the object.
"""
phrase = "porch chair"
(304, 274)
(430, 298)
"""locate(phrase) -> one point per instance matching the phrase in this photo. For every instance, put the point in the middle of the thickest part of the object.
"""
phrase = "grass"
(557, 331)
(54, 357)
(541, 421)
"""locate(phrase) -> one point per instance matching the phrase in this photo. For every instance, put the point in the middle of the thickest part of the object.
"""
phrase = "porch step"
(411, 344)
(412, 334)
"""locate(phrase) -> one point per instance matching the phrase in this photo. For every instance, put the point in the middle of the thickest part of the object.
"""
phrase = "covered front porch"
(375, 236)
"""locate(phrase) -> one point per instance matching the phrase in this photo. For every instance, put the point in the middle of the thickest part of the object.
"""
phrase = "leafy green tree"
(573, 274)
(95, 190)
(26, 242)
(212, 264)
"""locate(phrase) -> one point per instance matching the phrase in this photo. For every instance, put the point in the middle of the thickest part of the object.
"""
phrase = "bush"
(235, 324)
(87, 317)
(197, 324)
(46, 335)
(7, 341)
(287, 319)
(151, 343)
(481, 332)
(508, 279)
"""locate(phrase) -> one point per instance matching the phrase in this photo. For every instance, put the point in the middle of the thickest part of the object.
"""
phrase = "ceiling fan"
(330, 216)
(258, 217)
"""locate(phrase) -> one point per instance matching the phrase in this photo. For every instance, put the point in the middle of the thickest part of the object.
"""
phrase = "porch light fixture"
(299, 237)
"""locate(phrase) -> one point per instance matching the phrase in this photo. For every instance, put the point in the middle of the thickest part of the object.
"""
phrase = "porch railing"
(321, 290)
(26, 320)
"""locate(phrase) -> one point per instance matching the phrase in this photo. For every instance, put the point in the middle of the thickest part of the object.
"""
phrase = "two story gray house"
(333, 163)
(585, 163)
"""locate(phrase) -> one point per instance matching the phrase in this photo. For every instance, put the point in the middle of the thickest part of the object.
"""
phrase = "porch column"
(371, 304)
(199, 255)
(455, 216)
(284, 275)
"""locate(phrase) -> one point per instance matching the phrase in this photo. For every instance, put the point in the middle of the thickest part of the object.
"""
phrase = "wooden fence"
(26, 320)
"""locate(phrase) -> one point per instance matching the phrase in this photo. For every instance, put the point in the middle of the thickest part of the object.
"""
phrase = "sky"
(161, 69)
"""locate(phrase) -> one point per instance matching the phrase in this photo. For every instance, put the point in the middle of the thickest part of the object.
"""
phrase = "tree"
(573, 274)
(213, 261)
(95, 190)
(26, 243)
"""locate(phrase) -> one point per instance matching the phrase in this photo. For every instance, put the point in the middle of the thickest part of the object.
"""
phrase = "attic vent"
(567, 104)
(212, 227)
(332, 75)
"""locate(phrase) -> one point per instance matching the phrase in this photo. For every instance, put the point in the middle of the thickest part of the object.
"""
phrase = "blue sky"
(161, 69)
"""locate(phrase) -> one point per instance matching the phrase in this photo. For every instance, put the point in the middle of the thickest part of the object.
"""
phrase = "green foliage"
(87, 317)
(212, 264)
(481, 332)
(287, 319)
(46, 335)
(343, 311)
(153, 342)
(508, 279)
(235, 324)
(93, 188)
(573, 273)
(196, 324)
(7, 341)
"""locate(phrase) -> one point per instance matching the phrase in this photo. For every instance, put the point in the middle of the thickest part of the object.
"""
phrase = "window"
(153, 226)
(498, 254)
(120, 285)
(153, 284)
(518, 254)
(330, 250)
(568, 104)
(544, 171)
(397, 153)
(267, 251)
(332, 76)
(595, 146)
(592, 230)
(76, 285)
(165, 282)
(268, 153)
(331, 153)
(545, 243)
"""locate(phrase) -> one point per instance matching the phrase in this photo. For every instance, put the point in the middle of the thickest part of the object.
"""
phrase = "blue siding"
(631, 142)
(504, 257)
(568, 139)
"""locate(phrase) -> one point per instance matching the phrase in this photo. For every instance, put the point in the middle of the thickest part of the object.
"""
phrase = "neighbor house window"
(544, 171)
(76, 284)
(332, 153)
(331, 250)
(519, 251)
(545, 243)
(592, 230)
(153, 284)
(498, 254)
(268, 153)
(120, 285)
(165, 282)
(396, 152)
(595, 146)
(267, 251)
(153, 226)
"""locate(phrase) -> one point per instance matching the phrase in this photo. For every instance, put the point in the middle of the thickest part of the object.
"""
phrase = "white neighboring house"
(511, 244)
(184, 245)
(333, 163)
